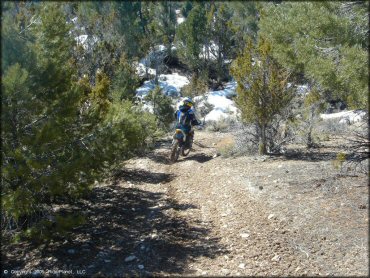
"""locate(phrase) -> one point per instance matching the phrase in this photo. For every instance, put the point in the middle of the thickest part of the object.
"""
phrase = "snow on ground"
(346, 117)
(158, 53)
(83, 40)
(213, 50)
(179, 18)
(171, 85)
(223, 106)
(141, 69)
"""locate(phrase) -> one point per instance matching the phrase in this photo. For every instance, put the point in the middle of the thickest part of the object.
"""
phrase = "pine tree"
(326, 42)
(262, 88)
(221, 34)
(162, 107)
(191, 36)
(125, 80)
(59, 132)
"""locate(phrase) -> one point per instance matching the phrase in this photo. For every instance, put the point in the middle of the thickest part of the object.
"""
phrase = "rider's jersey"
(185, 118)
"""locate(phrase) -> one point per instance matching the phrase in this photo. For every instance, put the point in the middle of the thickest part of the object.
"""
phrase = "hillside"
(207, 215)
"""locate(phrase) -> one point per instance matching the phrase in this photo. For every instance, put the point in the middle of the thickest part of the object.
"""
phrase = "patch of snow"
(171, 85)
(302, 89)
(160, 48)
(213, 50)
(84, 40)
(141, 69)
(223, 106)
(180, 20)
(346, 117)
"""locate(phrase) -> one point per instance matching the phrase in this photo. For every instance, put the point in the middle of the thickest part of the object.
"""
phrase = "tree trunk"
(262, 148)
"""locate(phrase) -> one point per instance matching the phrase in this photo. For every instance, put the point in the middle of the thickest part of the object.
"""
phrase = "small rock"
(242, 266)
(153, 235)
(271, 216)
(102, 254)
(244, 235)
(276, 258)
(204, 272)
(215, 155)
(260, 187)
(91, 266)
(286, 171)
(130, 258)
(71, 251)
(275, 181)
(140, 266)
(225, 271)
(280, 166)
(107, 261)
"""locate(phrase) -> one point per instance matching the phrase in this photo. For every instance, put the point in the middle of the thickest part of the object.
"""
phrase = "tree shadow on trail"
(140, 176)
(198, 157)
(131, 232)
(306, 155)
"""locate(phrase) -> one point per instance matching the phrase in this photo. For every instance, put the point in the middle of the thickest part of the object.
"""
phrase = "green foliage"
(262, 87)
(191, 35)
(244, 21)
(163, 23)
(162, 107)
(338, 162)
(325, 41)
(196, 87)
(186, 8)
(221, 32)
(60, 133)
(125, 80)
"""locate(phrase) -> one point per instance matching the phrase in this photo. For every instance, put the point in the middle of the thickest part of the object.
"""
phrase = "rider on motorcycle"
(185, 119)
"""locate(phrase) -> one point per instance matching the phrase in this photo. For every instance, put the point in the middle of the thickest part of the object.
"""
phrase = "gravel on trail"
(207, 215)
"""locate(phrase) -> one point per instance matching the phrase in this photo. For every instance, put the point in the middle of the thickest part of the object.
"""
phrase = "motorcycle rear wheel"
(185, 151)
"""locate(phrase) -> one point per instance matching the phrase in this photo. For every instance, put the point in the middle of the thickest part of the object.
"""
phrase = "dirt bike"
(181, 144)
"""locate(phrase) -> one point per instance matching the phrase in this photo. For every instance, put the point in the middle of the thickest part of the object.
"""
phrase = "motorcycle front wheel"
(175, 151)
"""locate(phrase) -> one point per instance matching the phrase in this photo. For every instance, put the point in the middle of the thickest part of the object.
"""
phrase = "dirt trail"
(263, 217)
(215, 216)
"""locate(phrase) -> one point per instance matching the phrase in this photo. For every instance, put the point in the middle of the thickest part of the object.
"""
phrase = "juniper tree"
(59, 132)
(162, 107)
(325, 42)
(191, 36)
(262, 88)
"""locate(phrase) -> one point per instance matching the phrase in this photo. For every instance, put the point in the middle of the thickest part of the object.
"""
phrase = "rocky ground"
(207, 215)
